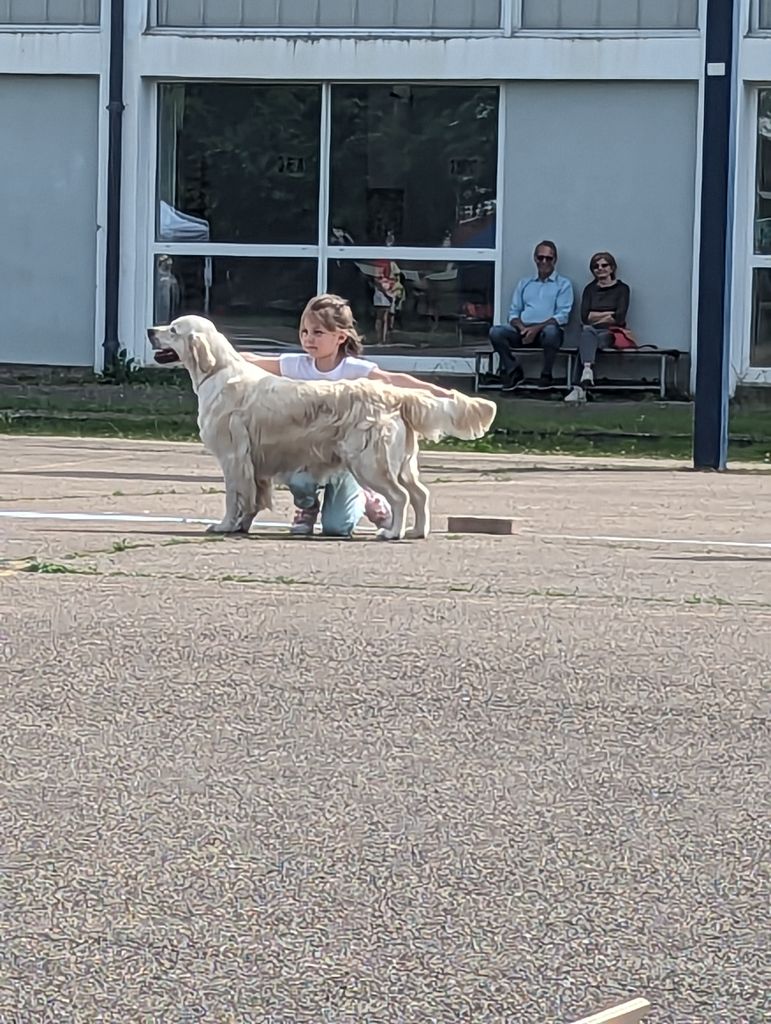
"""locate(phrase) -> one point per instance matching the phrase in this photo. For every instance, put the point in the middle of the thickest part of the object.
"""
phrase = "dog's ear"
(201, 352)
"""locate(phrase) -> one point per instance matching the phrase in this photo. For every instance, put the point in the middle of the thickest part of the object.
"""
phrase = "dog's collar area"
(207, 376)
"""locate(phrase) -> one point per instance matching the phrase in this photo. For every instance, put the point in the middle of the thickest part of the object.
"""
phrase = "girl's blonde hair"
(335, 314)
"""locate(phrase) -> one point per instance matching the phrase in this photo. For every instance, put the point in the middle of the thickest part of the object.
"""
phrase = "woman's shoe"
(576, 396)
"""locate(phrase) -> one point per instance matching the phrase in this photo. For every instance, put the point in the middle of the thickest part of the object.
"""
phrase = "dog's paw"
(387, 535)
(224, 527)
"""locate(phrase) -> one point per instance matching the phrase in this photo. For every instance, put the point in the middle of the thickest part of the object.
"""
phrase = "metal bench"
(484, 368)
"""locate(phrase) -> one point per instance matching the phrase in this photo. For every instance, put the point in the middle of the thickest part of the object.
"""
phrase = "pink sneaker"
(304, 520)
(377, 510)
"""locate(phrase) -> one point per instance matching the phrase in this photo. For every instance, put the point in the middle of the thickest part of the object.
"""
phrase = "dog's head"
(190, 340)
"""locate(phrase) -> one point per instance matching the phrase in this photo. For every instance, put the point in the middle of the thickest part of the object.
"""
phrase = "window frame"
(57, 26)
(608, 33)
(756, 261)
(504, 28)
(756, 29)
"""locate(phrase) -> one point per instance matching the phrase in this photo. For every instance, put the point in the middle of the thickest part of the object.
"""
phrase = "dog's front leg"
(239, 509)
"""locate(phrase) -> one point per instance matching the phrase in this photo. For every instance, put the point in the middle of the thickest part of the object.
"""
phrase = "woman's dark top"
(614, 299)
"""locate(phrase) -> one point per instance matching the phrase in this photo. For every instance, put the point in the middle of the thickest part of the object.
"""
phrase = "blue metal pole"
(710, 427)
(111, 343)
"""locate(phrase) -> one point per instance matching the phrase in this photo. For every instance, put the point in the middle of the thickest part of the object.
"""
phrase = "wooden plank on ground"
(480, 524)
(626, 1013)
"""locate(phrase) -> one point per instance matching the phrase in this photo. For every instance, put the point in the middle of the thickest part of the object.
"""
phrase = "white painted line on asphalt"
(111, 517)
(118, 517)
(681, 541)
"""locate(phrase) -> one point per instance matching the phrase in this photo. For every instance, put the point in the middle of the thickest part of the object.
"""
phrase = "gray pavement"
(476, 779)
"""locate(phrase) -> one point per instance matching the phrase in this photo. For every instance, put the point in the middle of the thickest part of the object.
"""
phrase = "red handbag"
(623, 338)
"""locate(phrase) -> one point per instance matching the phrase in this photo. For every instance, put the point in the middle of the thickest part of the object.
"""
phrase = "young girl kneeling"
(332, 351)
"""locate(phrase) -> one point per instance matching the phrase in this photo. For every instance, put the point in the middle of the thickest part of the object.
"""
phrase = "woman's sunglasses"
(601, 266)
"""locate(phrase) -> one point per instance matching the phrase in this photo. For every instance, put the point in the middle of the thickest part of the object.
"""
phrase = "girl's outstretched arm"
(404, 380)
(267, 363)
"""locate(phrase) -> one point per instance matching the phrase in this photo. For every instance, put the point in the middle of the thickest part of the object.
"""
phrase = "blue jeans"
(504, 337)
(342, 505)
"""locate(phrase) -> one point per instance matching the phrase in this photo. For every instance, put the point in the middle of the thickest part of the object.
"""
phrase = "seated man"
(540, 308)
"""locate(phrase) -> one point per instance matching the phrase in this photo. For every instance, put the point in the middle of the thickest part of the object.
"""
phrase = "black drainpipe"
(115, 107)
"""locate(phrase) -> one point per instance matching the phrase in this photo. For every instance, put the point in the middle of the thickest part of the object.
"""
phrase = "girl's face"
(318, 341)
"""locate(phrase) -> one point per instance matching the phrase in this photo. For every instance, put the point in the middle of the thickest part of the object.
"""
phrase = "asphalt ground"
(472, 779)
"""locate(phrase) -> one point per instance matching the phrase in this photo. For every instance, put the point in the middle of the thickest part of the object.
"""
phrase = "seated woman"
(604, 305)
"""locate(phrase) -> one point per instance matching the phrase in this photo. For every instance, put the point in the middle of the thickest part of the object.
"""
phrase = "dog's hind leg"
(419, 496)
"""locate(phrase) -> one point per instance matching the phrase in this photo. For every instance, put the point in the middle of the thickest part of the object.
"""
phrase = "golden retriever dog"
(259, 427)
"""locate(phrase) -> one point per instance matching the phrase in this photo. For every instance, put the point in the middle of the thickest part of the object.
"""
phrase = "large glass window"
(764, 14)
(345, 14)
(414, 163)
(49, 12)
(410, 182)
(239, 163)
(414, 305)
(610, 14)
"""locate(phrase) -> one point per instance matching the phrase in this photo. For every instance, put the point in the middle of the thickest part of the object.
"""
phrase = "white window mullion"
(500, 202)
(325, 157)
(233, 249)
(511, 16)
(439, 254)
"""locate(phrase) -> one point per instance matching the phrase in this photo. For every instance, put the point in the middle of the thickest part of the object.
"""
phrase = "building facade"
(275, 148)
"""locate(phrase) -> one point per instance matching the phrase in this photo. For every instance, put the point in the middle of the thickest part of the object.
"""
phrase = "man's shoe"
(512, 379)
(587, 377)
(545, 380)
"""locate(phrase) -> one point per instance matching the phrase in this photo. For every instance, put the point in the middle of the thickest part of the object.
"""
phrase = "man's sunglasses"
(544, 259)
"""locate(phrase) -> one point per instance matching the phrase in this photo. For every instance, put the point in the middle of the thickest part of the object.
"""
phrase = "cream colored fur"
(259, 427)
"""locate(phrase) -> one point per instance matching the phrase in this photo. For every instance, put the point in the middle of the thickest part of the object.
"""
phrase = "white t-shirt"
(301, 366)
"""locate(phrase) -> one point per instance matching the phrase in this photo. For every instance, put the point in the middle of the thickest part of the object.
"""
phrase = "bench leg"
(663, 378)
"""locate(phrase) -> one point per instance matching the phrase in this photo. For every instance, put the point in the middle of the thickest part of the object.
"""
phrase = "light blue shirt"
(535, 301)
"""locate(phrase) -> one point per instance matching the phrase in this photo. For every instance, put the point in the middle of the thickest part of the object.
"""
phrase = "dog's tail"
(457, 416)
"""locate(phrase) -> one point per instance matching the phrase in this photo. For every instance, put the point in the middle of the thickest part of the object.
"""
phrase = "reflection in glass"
(419, 161)
(253, 300)
(760, 348)
(409, 305)
(239, 162)
(763, 177)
